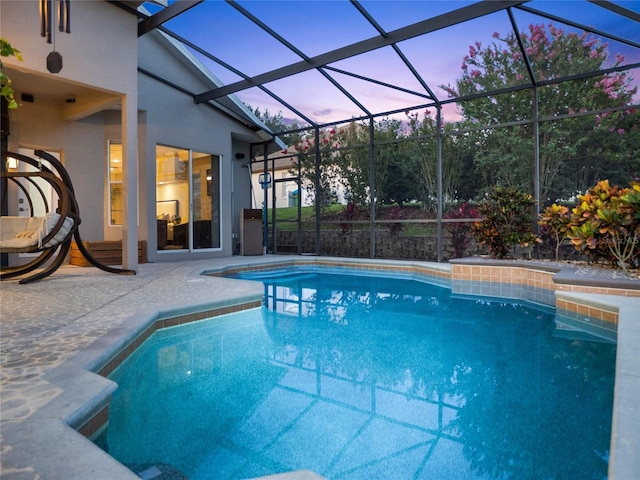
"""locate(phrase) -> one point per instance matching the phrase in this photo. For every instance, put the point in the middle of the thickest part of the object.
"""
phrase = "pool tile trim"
(97, 421)
(530, 281)
(166, 320)
(543, 283)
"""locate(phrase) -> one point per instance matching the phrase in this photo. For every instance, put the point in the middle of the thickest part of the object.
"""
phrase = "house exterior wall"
(240, 174)
(100, 31)
(174, 119)
(102, 54)
(102, 36)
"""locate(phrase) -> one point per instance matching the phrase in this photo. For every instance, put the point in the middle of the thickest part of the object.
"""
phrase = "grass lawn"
(286, 220)
(290, 214)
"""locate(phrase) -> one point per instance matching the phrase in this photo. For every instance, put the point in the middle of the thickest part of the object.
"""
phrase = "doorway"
(188, 193)
(38, 190)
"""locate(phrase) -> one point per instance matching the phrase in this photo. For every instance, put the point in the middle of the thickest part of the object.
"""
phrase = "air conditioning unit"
(251, 231)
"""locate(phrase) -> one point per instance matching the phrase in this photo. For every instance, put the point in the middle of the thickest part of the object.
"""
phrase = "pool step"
(150, 473)
(161, 471)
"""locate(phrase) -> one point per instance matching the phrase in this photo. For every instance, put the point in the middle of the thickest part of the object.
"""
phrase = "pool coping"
(81, 394)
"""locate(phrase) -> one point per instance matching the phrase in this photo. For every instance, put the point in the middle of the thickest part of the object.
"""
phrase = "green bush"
(459, 231)
(605, 225)
(556, 220)
(507, 221)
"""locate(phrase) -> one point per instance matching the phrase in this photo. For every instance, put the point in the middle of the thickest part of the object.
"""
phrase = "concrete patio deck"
(54, 332)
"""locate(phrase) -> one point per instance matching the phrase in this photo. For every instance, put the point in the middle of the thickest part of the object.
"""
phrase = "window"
(115, 183)
(187, 199)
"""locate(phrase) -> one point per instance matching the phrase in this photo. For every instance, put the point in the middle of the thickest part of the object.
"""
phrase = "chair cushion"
(23, 232)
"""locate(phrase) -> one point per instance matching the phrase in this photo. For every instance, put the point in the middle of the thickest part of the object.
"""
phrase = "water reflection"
(522, 402)
(345, 376)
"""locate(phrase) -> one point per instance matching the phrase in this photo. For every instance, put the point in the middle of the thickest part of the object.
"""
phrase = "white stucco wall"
(174, 119)
(100, 50)
(101, 54)
(100, 60)
(241, 195)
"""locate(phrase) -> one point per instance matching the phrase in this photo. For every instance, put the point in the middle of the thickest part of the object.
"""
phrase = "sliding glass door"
(205, 178)
(187, 199)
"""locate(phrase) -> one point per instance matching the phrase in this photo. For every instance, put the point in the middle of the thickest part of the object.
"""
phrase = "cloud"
(324, 113)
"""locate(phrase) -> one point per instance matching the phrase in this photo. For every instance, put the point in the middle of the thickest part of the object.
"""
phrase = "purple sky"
(315, 27)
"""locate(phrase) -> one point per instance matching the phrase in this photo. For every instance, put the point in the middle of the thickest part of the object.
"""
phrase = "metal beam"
(286, 104)
(396, 48)
(405, 33)
(586, 28)
(295, 50)
(267, 29)
(220, 62)
(213, 104)
(377, 82)
(523, 51)
(619, 9)
(166, 14)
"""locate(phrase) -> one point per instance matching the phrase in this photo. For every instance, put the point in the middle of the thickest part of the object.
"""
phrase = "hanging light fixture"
(47, 13)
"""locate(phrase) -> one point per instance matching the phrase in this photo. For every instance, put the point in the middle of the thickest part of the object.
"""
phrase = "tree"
(277, 123)
(353, 162)
(505, 156)
(423, 158)
(423, 151)
(605, 153)
(395, 177)
(322, 182)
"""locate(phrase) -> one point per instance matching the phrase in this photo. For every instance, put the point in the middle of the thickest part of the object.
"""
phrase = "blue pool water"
(362, 377)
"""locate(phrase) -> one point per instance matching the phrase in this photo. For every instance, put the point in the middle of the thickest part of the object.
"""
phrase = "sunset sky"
(316, 27)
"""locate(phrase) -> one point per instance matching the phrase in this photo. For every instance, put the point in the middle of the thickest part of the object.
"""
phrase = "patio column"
(130, 181)
(536, 151)
(265, 201)
(439, 153)
(372, 188)
(316, 132)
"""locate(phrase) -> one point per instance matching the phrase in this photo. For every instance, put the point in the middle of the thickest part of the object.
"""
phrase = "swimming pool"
(357, 376)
